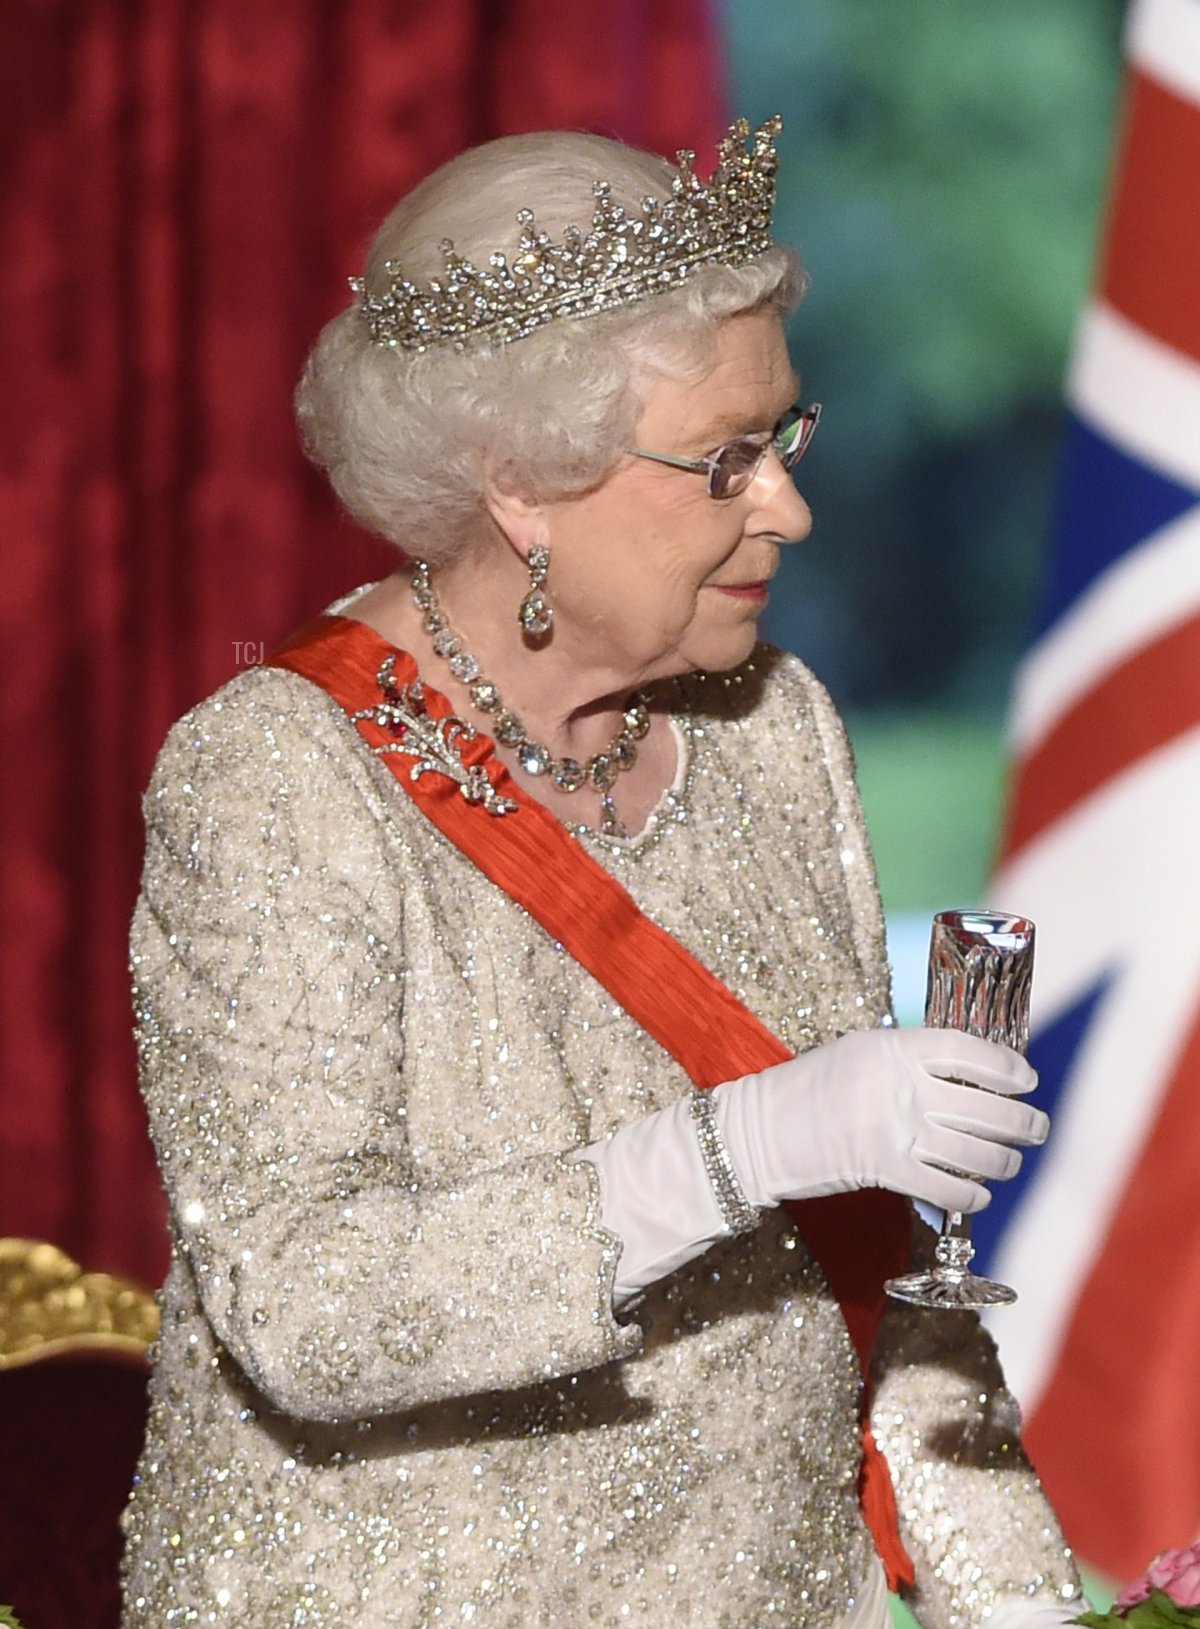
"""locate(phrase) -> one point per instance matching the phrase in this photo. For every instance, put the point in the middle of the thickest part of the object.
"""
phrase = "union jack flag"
(1102, 1238)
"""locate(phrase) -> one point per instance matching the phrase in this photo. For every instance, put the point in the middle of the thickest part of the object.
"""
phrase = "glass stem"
(955, 1251)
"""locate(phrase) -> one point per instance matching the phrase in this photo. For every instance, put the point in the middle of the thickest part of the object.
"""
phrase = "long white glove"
(878, 1108)
(656, 1197)
(883, 1108)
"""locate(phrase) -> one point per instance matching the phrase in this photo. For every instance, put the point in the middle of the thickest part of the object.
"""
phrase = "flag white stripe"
(1095, 918)
(1138, 393)
(1163, 39)
(1147, 592)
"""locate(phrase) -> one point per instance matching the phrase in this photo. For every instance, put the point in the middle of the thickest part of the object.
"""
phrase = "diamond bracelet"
(738, 1214)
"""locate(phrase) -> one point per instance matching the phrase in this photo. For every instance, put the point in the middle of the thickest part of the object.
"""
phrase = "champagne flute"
(980, 971)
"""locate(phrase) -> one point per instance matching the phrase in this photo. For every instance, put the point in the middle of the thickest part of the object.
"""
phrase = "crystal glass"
(980, 971)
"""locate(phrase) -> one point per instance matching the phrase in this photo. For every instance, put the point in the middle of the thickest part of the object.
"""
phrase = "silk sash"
(859, 1239)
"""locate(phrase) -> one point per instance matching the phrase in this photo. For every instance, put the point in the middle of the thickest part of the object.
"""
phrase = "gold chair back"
(50, 1307)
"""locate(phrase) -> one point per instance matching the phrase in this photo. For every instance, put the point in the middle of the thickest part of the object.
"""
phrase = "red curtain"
(185, 184)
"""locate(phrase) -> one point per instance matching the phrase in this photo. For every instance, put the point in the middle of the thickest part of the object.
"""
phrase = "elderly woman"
(509, 953)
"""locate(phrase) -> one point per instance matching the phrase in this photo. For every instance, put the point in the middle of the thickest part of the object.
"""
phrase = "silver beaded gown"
(390, 1388)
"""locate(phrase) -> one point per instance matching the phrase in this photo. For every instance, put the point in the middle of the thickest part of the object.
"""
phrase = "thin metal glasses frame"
(732, 466)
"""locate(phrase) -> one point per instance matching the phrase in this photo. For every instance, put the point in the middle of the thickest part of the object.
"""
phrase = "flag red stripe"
(1150, 268)
(1116, 1435)
(1136, 707)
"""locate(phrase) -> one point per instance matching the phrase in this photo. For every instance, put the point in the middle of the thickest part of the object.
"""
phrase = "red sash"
(859, 1239)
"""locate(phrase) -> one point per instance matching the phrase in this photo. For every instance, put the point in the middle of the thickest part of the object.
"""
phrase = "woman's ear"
(522, 520)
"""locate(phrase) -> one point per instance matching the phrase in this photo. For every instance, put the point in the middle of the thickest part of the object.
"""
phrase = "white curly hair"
(409, 439)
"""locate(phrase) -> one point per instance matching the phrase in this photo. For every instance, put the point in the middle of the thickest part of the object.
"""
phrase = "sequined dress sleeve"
(271, 984)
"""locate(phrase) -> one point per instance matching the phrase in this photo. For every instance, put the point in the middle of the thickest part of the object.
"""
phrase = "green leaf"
(1170, 1612)
(9, 1618)
(1157, 1611)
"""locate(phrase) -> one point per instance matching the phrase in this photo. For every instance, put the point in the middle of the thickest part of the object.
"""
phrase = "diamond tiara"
(626, 257)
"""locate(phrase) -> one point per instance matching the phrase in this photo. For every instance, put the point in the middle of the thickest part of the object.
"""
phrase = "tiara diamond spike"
(627, 256)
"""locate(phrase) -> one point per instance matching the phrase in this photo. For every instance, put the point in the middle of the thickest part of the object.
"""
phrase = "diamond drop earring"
(536, 615)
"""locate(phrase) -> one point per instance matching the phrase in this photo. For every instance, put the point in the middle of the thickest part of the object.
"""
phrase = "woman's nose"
(779, 507)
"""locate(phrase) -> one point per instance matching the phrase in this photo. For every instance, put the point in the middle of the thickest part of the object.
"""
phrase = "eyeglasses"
(732, 467)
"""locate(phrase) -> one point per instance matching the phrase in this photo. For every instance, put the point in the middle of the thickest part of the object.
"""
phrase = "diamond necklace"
(567, 774)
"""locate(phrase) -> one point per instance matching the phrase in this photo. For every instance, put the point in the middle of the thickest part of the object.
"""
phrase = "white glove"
(1014, 1612)
(657, 1197)
(851, 1114)
(883, 1108)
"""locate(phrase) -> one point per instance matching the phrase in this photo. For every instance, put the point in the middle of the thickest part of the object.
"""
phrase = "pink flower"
(1175, 1572)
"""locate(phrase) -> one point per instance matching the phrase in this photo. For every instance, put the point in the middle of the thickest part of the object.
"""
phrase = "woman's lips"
(744, 591)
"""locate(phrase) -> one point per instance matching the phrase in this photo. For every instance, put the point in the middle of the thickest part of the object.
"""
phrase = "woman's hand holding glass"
(885, 1108)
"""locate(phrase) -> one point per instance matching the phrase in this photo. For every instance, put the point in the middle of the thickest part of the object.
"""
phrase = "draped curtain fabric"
(184, 185)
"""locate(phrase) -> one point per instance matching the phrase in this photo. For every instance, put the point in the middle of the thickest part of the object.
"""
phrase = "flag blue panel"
(1108, 503)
